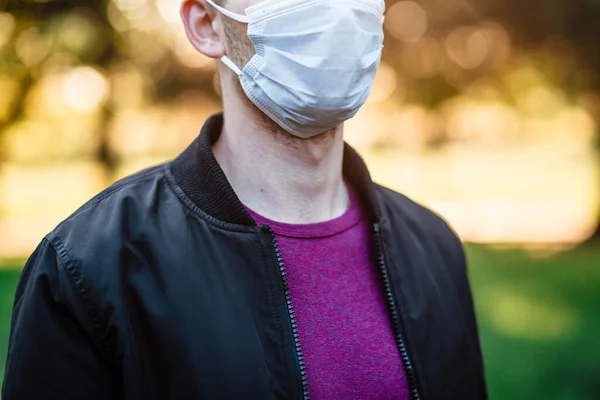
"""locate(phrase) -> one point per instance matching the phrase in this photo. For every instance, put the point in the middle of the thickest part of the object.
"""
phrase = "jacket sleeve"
(51, 353)
(459, 271)
(461, 280)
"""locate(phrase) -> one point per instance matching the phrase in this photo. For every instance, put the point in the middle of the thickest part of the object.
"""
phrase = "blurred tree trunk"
(104, 154)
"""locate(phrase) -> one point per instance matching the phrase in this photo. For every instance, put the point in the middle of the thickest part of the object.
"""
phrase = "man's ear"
(201, 23)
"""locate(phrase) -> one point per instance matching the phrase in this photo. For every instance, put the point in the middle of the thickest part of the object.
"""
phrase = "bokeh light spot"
(406, 21)
(468, 47)
(31, 47)
(84, 89)
(7, 28)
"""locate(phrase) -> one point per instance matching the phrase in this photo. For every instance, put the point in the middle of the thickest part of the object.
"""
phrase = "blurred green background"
(488, 111)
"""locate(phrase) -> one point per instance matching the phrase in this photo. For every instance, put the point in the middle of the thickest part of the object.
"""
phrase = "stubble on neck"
(241, 50)
(278, 175)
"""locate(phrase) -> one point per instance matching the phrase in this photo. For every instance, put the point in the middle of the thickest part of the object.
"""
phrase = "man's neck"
(280, 177)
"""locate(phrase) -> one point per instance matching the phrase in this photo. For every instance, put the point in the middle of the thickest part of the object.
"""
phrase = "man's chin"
(281, 133)
(267, 124)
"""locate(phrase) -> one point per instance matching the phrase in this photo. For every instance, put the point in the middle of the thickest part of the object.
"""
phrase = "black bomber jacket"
(163, 287)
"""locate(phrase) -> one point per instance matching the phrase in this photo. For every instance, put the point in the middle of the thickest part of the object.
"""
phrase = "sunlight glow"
(169, 10)
(84, 89)
(384, 84)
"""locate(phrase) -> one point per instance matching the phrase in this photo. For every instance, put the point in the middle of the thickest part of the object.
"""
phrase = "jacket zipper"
(391, 306)
(290, 308)
(389, 297)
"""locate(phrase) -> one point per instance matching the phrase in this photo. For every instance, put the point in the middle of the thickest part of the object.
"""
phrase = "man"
(263, 262)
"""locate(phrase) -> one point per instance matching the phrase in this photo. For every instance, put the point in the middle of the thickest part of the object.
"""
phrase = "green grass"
(539, 321)
(9, 275)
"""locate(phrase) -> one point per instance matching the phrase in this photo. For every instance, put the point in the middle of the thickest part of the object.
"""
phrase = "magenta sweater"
(345, 332)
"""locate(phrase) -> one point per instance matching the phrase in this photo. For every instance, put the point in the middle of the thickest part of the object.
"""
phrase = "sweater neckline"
(350, 218)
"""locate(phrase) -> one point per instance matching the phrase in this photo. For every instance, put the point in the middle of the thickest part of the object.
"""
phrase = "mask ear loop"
(237, 17)
(240, 18)
(227, 61)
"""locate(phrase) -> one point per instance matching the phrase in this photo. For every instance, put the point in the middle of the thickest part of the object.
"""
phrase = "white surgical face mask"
(315, 60)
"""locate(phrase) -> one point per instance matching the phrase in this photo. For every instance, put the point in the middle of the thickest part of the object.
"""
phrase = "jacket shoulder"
(111, 235)
(422, 221)
(124, 188)
(113, 219)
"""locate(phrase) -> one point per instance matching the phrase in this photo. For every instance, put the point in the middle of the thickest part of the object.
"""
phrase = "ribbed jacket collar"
(199, 175)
